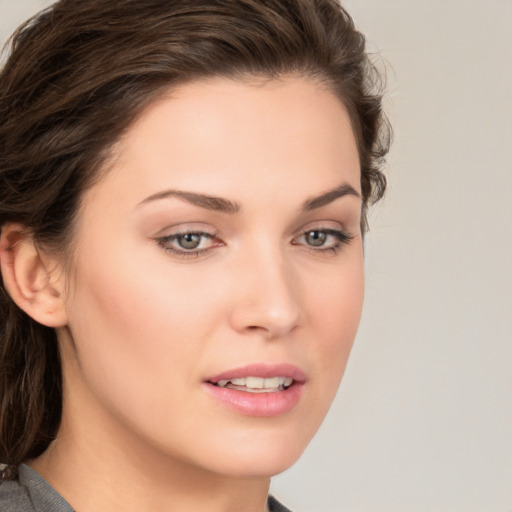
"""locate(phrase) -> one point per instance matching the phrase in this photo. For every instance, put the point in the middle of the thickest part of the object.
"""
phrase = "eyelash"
(342, 238)
(165, 242)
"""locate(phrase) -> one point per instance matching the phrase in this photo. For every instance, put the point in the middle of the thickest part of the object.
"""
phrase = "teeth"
(239, 382)
(254, 382)
(257, 383)
(273, 382)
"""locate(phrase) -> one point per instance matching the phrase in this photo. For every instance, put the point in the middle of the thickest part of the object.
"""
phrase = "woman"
(184, 188)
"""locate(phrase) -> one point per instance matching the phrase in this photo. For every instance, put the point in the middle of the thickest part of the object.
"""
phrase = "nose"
(267, 302)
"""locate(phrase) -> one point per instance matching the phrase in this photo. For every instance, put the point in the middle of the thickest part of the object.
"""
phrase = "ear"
(32, 278)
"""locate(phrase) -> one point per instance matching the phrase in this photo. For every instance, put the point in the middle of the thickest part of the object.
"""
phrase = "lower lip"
(258, 404)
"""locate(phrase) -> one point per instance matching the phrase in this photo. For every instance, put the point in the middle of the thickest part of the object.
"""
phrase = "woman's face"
(219, 258)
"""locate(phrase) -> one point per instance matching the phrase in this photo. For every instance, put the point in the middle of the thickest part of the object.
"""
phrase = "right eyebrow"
(217, 204)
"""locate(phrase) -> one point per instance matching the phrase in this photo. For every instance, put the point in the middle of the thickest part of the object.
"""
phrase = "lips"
(258, 390)
(262, 371)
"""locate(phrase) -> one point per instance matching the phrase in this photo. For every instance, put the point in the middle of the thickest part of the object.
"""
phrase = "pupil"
(189, 241)
(316, 238)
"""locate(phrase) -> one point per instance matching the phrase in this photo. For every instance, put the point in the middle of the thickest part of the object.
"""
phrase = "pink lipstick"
(258, 389)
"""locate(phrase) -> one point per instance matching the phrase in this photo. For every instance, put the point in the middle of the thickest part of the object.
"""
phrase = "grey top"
(32, 493)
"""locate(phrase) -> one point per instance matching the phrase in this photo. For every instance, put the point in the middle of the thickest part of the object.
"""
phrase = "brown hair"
(77, 76)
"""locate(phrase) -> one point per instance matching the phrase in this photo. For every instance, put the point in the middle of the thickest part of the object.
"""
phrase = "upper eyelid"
(169, 232)
(330, 231)
(324, 225)
(184, 228)
(178, 230)
(189, 232)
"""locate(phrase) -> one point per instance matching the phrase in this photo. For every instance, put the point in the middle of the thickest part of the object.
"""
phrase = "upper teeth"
(258, 382)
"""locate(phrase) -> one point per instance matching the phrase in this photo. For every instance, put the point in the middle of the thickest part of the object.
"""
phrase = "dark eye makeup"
(189, 244)
(192, 243)
(323, 239)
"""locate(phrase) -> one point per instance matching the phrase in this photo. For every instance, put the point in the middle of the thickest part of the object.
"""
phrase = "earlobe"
(27, 276)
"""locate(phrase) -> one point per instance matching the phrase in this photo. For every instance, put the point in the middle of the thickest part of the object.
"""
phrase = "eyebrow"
(219, 204)
(328, 197)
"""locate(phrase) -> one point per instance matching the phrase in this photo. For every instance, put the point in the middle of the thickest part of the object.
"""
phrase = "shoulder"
(14, 497)
(31, 493)
(275, 506)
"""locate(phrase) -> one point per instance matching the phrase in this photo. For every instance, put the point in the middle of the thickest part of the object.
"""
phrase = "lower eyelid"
(174, 236)
(184, 254)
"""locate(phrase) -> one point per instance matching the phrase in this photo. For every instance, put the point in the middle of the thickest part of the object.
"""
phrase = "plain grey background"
(423, 420)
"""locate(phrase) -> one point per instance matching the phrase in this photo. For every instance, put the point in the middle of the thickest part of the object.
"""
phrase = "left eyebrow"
(328, 197)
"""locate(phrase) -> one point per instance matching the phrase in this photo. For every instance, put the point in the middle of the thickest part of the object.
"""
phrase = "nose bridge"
(268, 299)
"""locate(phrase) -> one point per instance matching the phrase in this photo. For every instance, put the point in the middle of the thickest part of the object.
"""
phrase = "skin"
(145, 326)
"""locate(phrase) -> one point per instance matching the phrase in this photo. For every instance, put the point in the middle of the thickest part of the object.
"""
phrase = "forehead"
(225, 137)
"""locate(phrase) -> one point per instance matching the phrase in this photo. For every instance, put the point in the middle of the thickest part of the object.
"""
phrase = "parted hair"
(76, 77)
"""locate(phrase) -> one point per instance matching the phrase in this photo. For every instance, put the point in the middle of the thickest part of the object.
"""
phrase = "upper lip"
(261, 370)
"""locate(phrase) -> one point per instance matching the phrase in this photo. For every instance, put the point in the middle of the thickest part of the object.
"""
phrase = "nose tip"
(273, 324)
(268, 305)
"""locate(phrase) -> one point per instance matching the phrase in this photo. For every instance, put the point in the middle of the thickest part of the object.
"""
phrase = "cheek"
(131, 308)
(335, 311)
(136, 330)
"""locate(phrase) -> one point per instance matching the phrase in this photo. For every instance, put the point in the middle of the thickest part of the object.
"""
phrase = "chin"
(265, 466)
(259, 457)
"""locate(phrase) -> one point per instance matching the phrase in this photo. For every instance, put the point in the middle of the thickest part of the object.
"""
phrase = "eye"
(189, 240)
(323, 239)
(189, 243)
(316, 238)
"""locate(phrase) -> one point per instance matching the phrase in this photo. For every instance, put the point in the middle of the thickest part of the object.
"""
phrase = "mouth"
(258, 390)
(256, 384)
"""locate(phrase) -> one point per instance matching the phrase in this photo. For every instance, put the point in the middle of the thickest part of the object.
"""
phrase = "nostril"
(259, 329)
(266, 333)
